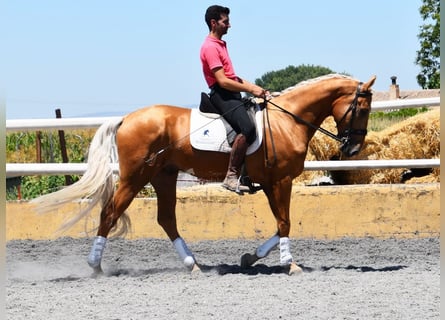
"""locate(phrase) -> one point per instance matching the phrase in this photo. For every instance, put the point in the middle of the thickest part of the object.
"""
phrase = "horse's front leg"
(264, 250)
(279, 201)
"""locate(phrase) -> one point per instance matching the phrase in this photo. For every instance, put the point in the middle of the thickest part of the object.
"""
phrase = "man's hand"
(259, 92)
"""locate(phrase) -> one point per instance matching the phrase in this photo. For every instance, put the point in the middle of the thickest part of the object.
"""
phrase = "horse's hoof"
(294, 269)
(97, 272)
(248, 259)
(196, 268)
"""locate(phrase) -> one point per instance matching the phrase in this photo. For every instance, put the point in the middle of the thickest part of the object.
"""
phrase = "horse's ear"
(369, 84)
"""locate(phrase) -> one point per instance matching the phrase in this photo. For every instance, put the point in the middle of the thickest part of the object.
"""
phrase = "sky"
(97, 58)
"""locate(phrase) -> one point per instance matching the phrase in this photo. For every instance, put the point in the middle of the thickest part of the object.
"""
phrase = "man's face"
(222, 25)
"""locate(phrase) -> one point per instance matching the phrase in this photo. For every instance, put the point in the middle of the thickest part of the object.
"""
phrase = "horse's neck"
(312, 103)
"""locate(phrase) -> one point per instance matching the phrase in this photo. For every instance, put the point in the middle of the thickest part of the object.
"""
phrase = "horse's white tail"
(97, 183)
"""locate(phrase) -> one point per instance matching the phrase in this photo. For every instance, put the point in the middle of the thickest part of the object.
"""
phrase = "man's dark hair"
(215, 12)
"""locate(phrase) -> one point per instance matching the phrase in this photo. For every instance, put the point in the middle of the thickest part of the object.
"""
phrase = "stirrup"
(246, 181)
(240, 188)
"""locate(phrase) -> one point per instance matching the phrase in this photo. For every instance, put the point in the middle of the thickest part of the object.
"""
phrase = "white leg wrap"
(267, 246)
(95, 256)
(184, 252)
(285, 256)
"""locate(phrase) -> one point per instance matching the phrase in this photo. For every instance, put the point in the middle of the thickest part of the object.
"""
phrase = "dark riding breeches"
(231, 106)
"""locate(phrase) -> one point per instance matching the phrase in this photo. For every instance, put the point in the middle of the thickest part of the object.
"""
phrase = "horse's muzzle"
(350, 149)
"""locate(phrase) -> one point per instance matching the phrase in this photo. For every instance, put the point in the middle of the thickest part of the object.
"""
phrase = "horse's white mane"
(311, 81)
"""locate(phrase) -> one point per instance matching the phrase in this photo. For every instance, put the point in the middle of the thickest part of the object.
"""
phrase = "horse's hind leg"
(111, 212)
(164, 184)
(262, 251)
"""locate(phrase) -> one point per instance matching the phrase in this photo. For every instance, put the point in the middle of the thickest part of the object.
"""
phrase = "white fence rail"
(80, 123)
(22, 169)
(405, 103)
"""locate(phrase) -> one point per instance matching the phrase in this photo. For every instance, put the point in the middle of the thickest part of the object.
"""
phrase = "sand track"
(342, 279)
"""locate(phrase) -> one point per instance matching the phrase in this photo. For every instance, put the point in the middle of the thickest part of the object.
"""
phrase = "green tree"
(428, 57)
(290, 76)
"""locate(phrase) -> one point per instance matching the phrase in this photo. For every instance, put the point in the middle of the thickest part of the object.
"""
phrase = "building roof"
(407, 94)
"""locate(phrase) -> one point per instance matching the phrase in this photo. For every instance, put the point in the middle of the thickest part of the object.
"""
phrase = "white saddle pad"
(208, 132)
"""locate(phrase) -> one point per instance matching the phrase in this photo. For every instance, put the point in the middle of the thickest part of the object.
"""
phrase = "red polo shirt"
(214, 54)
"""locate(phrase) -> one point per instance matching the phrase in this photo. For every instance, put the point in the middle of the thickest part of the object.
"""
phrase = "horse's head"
(351, 113)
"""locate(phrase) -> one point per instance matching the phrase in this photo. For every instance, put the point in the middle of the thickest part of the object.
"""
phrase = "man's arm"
(232, 85)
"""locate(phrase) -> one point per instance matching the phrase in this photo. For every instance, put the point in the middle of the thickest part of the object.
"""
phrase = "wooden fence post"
(38, 146)
(68, 179)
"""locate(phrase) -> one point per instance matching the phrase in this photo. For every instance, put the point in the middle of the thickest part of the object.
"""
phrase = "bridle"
(345, 136)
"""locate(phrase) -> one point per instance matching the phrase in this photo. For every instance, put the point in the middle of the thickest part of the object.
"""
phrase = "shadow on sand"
(225, 269)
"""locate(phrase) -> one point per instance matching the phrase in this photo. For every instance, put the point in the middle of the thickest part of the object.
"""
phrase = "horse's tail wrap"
(97, 183)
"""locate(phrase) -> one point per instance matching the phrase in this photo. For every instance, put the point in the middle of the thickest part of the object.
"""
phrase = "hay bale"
(321, 148)
(415, 138)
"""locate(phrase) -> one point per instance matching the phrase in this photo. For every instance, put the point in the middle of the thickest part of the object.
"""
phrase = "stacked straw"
(415, 138)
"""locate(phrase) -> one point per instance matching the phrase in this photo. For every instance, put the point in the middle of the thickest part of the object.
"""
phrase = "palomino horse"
(152, 147)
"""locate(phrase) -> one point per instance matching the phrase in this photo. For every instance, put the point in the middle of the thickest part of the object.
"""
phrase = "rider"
(226, 88)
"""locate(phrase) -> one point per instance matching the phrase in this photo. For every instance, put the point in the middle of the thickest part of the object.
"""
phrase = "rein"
(299, 119)
(344, 138)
